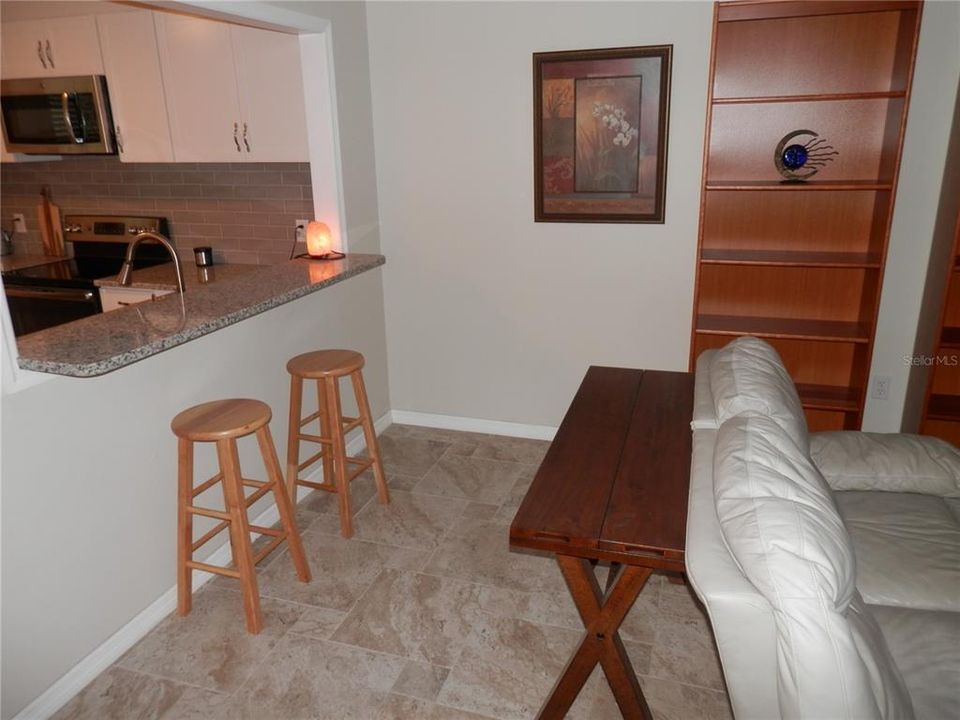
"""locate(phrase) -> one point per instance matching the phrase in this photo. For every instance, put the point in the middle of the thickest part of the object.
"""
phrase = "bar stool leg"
(332, 392)
(287, 520)
(325, 432)
(373, 447)
(240, 532)
(184, 525)
(293, 439)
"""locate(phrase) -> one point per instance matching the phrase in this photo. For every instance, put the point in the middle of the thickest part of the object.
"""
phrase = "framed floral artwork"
(600, 134)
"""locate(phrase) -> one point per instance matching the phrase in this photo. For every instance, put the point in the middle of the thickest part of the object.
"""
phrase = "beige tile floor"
(424, 614)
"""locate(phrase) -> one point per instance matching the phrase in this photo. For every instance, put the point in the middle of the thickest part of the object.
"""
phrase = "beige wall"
(918, 194)
(491, 315)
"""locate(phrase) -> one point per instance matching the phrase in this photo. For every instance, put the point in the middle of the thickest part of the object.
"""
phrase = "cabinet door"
(21, 58)
(132, 63)
(74, 46)
(196, 56)
(271, 95)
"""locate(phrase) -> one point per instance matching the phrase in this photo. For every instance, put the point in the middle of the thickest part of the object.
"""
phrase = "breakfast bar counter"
(213, 300)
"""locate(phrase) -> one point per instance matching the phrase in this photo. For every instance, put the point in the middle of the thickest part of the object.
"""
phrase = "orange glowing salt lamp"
(319, 239)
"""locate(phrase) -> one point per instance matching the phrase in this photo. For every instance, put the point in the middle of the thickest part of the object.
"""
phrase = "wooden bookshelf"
(801, 263)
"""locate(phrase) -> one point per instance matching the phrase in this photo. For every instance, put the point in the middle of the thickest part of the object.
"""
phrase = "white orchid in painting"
(614, 119)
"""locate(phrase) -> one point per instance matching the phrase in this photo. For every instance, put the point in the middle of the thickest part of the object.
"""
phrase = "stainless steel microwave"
(57, 116)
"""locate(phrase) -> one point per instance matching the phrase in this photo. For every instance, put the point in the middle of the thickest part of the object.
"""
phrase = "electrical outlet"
(301, 230)
(881, 387)
(19, 223)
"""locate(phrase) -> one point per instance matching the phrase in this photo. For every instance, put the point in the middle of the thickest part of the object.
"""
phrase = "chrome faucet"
(124, 277)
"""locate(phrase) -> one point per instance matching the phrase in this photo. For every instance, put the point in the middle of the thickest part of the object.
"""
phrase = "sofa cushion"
(892, 693)
(889, 462)
(747, 375)
(780, 523)
(925, 645)
(907, 547)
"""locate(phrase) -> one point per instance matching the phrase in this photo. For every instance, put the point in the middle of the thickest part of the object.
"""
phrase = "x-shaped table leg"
(602, 615)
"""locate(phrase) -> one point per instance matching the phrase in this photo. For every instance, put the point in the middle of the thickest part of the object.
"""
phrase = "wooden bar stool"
(327, 367)
(222, 422)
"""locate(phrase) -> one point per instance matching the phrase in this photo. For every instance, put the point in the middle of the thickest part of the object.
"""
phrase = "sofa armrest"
(889, 462)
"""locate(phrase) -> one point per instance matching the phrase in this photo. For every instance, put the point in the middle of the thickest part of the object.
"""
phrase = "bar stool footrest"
(194, 510)
(215, 569)
(308, 418)
(329, 487)
(270, 547)
(257, 494)
(272, 532)
(207, 537)
(311, 460)
(206, 485)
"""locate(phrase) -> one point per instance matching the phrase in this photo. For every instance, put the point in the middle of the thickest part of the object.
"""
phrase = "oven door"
(57, 116)
(37, 308)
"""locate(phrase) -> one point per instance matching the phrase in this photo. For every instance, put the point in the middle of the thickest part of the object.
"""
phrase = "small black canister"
(203, 256)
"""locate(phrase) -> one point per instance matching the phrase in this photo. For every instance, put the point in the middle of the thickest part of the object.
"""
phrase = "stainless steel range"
(56, 293)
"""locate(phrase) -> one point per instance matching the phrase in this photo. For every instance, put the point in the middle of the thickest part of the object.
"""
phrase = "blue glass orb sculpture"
(794, 157)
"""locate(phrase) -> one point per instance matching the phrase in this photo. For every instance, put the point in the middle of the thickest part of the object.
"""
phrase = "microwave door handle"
(83, 118)
(65, 104)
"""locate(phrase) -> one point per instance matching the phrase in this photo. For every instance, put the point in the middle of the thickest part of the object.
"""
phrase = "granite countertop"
(18, 262)
(164, 277)
(102, 343)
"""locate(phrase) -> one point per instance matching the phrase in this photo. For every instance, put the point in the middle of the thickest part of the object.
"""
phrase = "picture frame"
(600, 125)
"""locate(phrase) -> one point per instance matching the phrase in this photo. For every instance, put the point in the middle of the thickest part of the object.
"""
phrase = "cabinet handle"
(245, 142)
(40, 54)
(236, 142)
(50, 55)
(119, 140)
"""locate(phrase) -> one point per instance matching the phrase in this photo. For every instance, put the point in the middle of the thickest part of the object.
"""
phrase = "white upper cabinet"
(273, 121)
(132, 62)
(201, 88)
(51, 48)
(234, 94)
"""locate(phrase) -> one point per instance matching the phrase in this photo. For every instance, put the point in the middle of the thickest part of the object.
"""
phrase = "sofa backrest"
(748, 375)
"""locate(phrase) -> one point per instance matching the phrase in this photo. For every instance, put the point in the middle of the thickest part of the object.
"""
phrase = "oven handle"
(65, 104)
(51, 294)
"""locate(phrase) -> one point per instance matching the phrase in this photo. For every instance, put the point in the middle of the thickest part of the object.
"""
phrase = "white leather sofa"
(828, 563)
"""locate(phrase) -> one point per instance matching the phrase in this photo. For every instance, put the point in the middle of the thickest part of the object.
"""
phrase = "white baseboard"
(81, 674)
(491, 427)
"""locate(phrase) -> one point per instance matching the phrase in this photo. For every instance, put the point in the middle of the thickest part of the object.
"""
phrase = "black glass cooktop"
(82, 270)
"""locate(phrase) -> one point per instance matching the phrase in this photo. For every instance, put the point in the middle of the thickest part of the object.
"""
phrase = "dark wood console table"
(613, 486)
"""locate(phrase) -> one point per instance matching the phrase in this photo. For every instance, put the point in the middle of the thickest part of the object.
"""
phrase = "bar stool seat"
(325, 363)
(327, 367)
(223, 422)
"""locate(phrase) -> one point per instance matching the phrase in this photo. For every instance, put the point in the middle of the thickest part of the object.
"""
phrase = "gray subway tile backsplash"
(245, 211)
